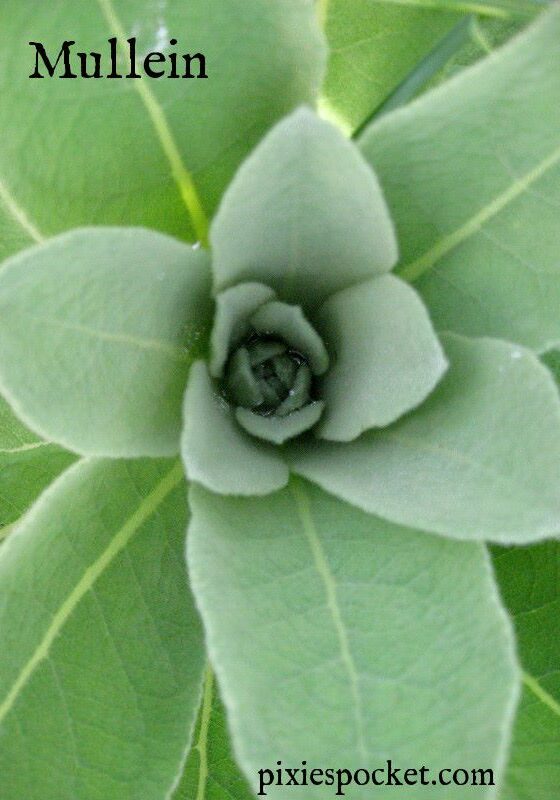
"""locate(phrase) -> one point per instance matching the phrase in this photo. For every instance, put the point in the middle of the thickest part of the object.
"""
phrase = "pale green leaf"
(372, 47)
(234, 308)
(479, 459)
(304, 215)
(102, 648)
(530, 582)
(289, 324)
(112, 318)
(346, 641)
(27, 465)
(279, 429)
(471, 172)
(386, 356)
(142, 151)
(216, 450)
(210, 771)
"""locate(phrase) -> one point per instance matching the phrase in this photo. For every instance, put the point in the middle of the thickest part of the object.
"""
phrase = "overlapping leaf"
(112, 319)
(102, 652)
(372, 47)
(142, 152)
(530, 582)
(27, 466)
(373, 641)
(479, 459)
(471, 173)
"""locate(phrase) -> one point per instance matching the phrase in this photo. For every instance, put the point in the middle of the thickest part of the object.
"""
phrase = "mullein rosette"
(311, 331)
(290, 349)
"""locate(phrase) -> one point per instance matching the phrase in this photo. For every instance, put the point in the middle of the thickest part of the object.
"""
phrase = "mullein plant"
(351, 375)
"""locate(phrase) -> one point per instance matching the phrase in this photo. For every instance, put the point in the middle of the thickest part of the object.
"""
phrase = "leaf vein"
(86, 583)
(323, 569)
(415, 269)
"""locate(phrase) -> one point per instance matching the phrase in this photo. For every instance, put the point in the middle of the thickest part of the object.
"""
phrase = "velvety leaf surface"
(143, 152)
(234, 308)
(346, 640)
(304, 215)
(479, 459)
(386, 356)
(210, 771)
(529, 578)
(112, 318)
(27, 466)
(217, 452)
(102, 650)
(372, 47)
(486, 257)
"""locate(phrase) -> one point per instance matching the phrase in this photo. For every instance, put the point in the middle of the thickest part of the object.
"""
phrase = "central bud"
(267, 376)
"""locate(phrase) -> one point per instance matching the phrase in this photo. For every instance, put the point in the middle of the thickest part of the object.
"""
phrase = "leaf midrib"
(154, 345)
(541, 694)
(323, 569)
(122, 537)
(19, 215)
(417, 268)
(181, 175)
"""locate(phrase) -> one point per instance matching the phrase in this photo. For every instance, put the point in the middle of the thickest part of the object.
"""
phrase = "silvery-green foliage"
(350, 374)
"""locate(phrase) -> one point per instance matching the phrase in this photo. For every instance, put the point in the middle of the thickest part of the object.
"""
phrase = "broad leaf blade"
(27, 466)
(529, 580)
(373, 46)
(486, 257)
(113, 318)
(369, 639)
(386, 357)
(479, 459)
(142, 151)
(102, 659)
(304, 215)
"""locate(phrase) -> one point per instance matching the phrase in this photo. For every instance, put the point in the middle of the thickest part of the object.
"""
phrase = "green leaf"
(279, 429)
(480, 459)
(113, 318)
(27, 466)
(146, 152)
(234, 308)
(210, 771)
(373, 46)
(528, 578)
(387, 356)
(471, 172)
(103, 657)
(346, 641)
(289, 323)
(217, 452)
(304, 215)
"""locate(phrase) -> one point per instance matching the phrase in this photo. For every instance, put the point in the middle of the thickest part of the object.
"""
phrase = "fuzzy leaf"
(102, 648)
(234, 308)
(304, 215)
(210, 771)
(146, 152)
(346, 640)
(471, 173)
(529, 580)
(27, 466)
(217, 452)
(386, 360)
(112, 317)
(479, 459)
